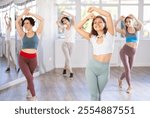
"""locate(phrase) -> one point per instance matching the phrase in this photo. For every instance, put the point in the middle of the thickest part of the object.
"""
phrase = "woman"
(127, 52)
(67, 25)
(28, 57)
(101, 37)
(8, 23)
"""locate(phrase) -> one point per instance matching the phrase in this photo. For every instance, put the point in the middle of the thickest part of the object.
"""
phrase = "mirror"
(10, 44)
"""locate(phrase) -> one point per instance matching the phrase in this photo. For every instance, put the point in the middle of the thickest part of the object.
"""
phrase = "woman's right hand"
(26, 11)
(90, 16)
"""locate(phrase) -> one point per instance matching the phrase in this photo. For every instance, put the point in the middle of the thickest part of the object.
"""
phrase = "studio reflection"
(10, 42)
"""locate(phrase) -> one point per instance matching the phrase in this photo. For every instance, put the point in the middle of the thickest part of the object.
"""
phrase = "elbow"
(78, 27)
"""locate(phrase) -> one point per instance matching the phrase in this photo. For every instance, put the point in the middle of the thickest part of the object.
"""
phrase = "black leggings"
(127, 54)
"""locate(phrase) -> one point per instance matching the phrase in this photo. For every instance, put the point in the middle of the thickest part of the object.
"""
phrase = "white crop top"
(105, 47)
(69, 35)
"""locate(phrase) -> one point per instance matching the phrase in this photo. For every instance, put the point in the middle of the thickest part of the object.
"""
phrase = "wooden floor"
(52, 86)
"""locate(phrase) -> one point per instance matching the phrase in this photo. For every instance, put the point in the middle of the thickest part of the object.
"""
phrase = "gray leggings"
(127, 56)
(67, 48)
(97, 77)
(9, 54)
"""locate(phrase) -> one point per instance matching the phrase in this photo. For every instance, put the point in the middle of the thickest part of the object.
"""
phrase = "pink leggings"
(127, 54)
(28, 63)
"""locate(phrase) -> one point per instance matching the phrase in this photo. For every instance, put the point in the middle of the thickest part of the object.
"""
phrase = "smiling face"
(98, 24)
(129, 22)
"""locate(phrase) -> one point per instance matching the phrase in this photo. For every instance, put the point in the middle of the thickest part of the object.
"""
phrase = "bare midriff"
(105, 58)
(30, 51)
(132, 44)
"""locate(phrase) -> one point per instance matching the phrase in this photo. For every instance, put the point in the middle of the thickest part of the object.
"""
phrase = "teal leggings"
(97, 77)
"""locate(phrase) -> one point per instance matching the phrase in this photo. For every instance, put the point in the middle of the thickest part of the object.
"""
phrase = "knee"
(29, 79)
(127, 71)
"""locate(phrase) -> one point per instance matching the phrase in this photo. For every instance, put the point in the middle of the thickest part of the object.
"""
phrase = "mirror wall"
(9, 10)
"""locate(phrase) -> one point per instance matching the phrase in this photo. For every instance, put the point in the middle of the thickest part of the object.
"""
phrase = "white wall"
(142, 57)
(46, 9)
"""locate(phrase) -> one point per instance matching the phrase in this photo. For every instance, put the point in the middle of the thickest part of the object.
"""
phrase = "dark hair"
(125, 20)
(65, 18)
(31, 20)
(93, 31)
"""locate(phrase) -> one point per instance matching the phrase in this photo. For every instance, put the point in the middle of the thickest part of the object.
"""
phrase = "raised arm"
(18, 26)
(58, 22)
(41, 24)
(105, 14)
(119, 30)
(72, 16)
(79, 26)
(139, 23)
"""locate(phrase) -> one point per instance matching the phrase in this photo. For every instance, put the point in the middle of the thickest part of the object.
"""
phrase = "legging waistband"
(27, 55)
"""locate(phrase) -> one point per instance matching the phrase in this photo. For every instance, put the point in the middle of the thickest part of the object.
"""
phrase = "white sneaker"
(29, 95)
(33, 99)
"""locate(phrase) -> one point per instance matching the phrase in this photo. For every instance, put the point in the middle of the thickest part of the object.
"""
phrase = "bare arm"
(79, 27)
(139, 23)
(41, 24)
(105, 14)
(121, 31)
(18, 26)
(72, 16)
(58, 22)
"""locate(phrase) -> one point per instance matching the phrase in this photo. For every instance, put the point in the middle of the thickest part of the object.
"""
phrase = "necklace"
(100, 36)
(100, 39)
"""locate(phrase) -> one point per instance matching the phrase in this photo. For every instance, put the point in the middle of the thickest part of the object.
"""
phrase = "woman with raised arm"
(127, 52)
(67, 25)
(8, 23)
(28, 56)
(102, 40)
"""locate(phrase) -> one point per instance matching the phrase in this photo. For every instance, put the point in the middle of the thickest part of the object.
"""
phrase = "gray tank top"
(30, 42)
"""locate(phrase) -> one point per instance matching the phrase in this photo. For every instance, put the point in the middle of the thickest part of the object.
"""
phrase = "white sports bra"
(105, 47)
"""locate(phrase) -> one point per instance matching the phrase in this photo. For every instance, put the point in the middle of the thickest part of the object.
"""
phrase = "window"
(90, 1)
(146, 22)
(113, 11)
(126, 10)
(110, 1)
(146, 1)
(65, 1)
(129, 1)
